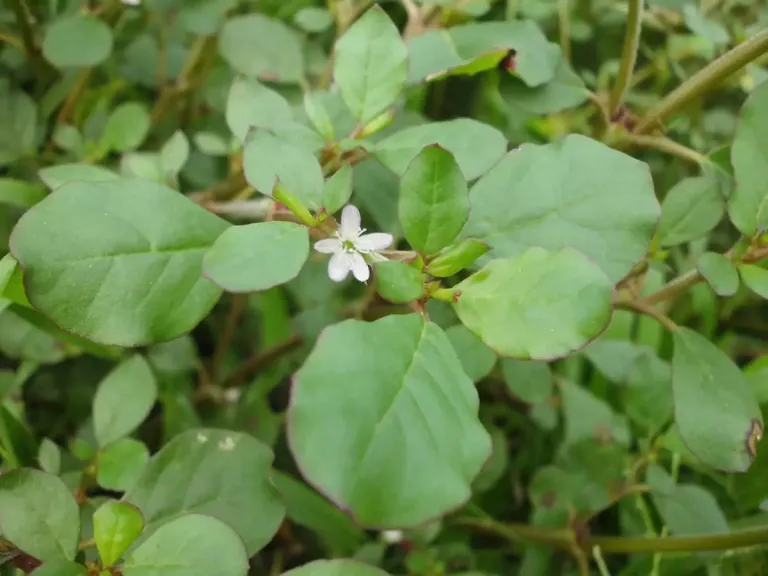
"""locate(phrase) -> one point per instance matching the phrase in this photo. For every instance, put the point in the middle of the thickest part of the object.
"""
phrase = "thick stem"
(564, 26)
(667, 145)
(21, 12)
(261, 359)
(628, 55)
(674, 288)
(705, 80)
(642, 307)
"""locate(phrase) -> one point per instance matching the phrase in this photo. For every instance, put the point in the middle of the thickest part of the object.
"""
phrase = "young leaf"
(251, 104)
(575, 193)
(60, 568)
(77, 41)
(39, 515)
(231, 482)
(174, 155)
(317, 112)
(749, 166)
(104, 259)
(20, 193)
(475, 357)
(338, 189)
(755, 278)
(127, 127)
(693, 207)
(119, 465)
(565, 90)
(419, 413)
(539, 305)
(123, 400)
(715, 408)
(528, 380)
(116, 525)
(335, 568)
(256, 257)
(475, 146)
(720, 273)
(434, 202)
(49, 456)
(56, 176)
(193, 545)
(371, 65)
(398, 282)
(454, 259)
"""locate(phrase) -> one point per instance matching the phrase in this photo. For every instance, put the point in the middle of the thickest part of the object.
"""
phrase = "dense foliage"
(424, 287)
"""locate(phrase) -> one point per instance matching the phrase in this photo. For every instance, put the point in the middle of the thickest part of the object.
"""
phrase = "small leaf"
(313, 19)
(399, 282)
(77, 41)
(56, 176)
(419, 413)
(256, 257)
(697, 23)
(127, 127)
(335, 568)
(749, 165)
(455, 258)
(123, 400)
(120, 464)
(19, 193)
(370, 65)
(528, 380)
(589, 418)
(263, 47)
(267, 158)
(49, 456)
(564, 91)
(39, 515)
(720, 273)
(174, 154)
(104, 259)
(476, 358)
(251, 104)
(649, 395)
(231, 483)
(693, 207)
(475, 146)
(61, 568)
(715, 408)
(539, 305)
(18, 118)
(318, 114)
(193, 545)
(434, 202)
(116, 525)
(338, 189)
(755, 278)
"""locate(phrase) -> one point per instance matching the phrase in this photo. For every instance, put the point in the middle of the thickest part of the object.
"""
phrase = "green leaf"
(123, 400)
(565, 90)
(649, 395)
(528, 380)
(475, 357)
(720, 273)
(755, 278)
(251, 104)
(22, 340)
(193, 545)
(61, 568)
(475, 146)
(39, 515)
(692, 208)
(256, 257)
(697, 23)
(77, 41)
(575, 193)
(715, 409)
(474, 48)
(370, 65)
(49, 456)
(18, 119)
(120, 464)
(434, 202)
(335, 568)
(174, 155)
(317, 112)
(539, 305)
(116, 525)
(495, 467)
(589, 418)
(262, 47)
(313, 19)
(127, 127)
(307, 508)
(267, 158)
(366, 446)
(56, 176)
(230, 473)
(749, 165)
(399, 282)
(338, 189)
(103, 260)
(19, 193)
(455, 258)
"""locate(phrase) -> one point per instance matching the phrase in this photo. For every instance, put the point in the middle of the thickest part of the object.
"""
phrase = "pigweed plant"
(424, 287)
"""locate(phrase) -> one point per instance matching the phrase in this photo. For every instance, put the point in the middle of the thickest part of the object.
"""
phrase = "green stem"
(642, 307)
(667, 145)
(564, 25)
(21, 12)
(705, 80)
(628, 55)
(674, 288)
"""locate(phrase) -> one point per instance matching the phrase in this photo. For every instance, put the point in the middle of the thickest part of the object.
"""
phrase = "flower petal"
(359, 267)
(350, 222)
(328, 245)
(374, 242)
(339, 266)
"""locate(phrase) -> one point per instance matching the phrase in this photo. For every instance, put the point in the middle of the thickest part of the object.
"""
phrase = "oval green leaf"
(539, 305)
(116, 525)
(77, 41)
(119, 465)
(693, 207)
(399, 282)
(104, 260)
(720, 273)
(476, 358)
(456, 258)
(376, 404)
(335, 568)
(251, 104)
(61, 568)
(755, 278)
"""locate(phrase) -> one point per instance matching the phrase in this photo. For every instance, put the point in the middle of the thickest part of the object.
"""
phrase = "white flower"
(131, 2)
(349, 245)
(392, 536)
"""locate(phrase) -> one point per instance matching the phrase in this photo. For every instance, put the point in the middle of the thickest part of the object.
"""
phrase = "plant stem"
(628, 55)
(674, 288)
(705, 80)
(261, 359)
(564, 26)
(12, 41)
(642, 307)
(667, 145)
(81, 83)
(21, 12)
(236, 309)
(85, 544)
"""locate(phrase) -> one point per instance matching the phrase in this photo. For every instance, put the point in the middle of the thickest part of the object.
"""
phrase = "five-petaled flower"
(349, 245)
